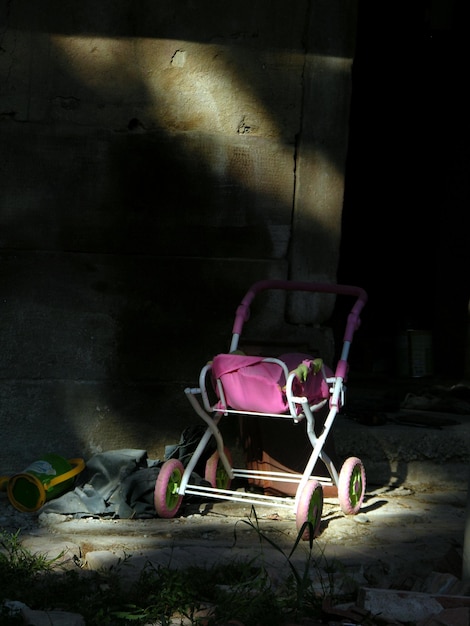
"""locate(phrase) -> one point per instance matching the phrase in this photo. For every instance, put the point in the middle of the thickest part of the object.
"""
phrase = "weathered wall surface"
(157, 158)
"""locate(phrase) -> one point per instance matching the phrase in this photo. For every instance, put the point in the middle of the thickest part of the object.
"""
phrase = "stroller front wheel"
(351, 485)
(215, 472)
(309, 510)
(167, 500)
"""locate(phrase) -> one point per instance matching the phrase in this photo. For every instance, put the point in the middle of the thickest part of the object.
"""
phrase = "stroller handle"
(353, 322)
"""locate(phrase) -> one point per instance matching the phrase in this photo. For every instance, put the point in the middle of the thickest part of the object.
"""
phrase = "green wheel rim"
(314, 506)
(172, 489)
(221, 478)
(355, 486)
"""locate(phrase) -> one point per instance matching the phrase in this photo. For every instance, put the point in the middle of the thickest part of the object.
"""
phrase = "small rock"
(51, 618)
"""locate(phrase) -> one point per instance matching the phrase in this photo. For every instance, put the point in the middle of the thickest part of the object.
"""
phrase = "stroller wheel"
(167, 500)
(215, 473)
(310, 509)
(351, 485)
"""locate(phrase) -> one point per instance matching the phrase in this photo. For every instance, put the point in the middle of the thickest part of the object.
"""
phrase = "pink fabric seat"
(251, 384)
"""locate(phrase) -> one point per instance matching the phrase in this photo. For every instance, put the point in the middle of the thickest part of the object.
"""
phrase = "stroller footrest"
(237, 496)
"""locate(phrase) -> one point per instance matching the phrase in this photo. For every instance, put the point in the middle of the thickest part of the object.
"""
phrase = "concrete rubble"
(402, 553)
(45, 618)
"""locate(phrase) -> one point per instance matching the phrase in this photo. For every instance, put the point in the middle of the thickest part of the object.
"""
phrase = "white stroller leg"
(212, 430)
(330, 466)
(317, 444)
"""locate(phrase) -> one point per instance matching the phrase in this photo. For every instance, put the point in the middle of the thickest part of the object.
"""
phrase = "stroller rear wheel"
(215, 473)
(351, 485)
(167, 500)
(309, 510)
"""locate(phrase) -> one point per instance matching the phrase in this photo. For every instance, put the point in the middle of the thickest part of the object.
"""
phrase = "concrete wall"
(157, 158)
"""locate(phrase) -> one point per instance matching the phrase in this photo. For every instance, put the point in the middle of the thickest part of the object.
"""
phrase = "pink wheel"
(215, 472)
(166, 498)
(310, 509)
(351, 485)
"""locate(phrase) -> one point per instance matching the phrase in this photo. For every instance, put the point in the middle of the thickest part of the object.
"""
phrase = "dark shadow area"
(155, 204)
(404, 222)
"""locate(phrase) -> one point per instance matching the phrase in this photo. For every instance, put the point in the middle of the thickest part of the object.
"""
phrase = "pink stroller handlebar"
(353, 322)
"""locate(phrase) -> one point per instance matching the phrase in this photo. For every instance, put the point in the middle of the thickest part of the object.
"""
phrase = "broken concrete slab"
(31, 617)
(407, 606)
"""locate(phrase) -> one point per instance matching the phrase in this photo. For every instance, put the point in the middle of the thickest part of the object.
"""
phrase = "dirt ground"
(399, 537)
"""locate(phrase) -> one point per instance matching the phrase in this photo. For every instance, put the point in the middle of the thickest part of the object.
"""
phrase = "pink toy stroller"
(292, 387)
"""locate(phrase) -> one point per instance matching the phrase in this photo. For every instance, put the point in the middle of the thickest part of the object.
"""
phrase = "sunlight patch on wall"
(240, 109)
(178, 85)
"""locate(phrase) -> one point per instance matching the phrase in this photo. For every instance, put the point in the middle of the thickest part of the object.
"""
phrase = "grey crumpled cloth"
(121, 483)
(118, 483)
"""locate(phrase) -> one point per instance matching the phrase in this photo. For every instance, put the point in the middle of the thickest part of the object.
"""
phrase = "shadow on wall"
(128, 245)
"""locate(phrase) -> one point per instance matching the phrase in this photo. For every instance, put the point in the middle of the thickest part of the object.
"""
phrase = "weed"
(160, 595)
(300, 596)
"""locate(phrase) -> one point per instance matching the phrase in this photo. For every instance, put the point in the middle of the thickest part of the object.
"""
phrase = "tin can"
(46, 478)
